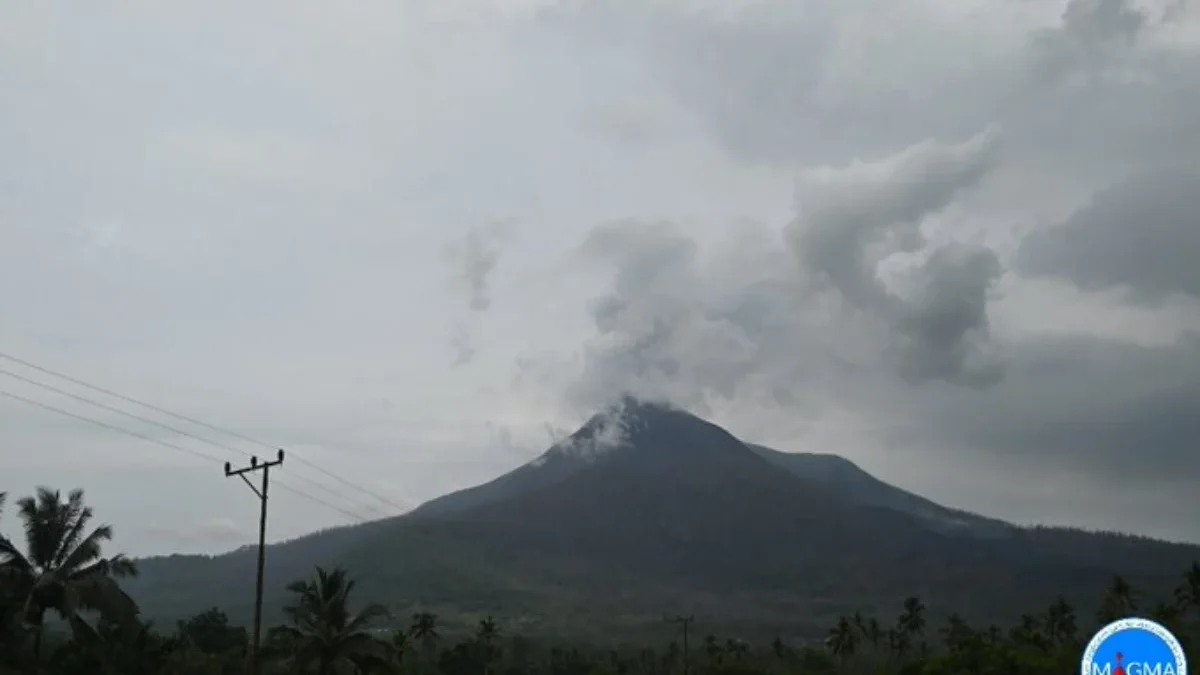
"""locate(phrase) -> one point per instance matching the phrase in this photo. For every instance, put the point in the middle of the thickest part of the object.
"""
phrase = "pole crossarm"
(255, 465)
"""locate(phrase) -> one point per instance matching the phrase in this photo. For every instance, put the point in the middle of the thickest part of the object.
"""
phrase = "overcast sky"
(951, 240)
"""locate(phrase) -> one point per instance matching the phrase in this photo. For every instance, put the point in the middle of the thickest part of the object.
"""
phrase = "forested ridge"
(63, 611)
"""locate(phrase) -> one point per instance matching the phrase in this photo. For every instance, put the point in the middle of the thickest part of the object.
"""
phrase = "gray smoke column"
(473, 259)
(941, 332)
(783, 320)
(851, 219)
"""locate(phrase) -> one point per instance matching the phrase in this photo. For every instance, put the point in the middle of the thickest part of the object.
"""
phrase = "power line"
(156, 423)
(106, 425)
(228, 432)
(172, 446)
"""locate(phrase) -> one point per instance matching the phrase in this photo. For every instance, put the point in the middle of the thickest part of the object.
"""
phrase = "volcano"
(649, 509)
(670, 444)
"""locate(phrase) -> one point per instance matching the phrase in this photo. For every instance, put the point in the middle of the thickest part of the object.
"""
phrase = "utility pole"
(686, 621)
(265, 467)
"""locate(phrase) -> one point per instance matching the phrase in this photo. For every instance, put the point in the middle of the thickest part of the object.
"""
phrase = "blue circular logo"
(1133, 647)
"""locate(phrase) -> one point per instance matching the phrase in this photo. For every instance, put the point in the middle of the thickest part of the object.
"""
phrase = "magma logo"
(1133, 647)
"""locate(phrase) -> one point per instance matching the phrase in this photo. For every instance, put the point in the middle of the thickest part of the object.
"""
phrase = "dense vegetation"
(60, 579)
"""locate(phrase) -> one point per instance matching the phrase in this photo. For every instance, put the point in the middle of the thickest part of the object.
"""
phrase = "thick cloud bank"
(1141, 235)
(953, 241)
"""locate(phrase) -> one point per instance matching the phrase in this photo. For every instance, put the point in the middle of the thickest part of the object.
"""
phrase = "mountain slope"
(648, 509)
(852, 482)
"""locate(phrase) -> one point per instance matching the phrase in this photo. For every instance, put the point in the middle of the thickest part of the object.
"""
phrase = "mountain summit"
(631, 435)
(647, 508)
(652, 435)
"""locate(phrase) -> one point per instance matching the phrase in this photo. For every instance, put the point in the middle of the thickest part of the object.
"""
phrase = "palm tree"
(898, 642)
(11, 634)
(400, 645)
(424, 630)
(873, 633)
(1118, 602)
(1188, 593)
(712, 649)
(842, 639)
(1167, 614)
(964, 645)
(859, 623)
(63, 570)
(956, 633)
(1028, 633)
(738, 649)
(6, 601)
(326, 637)
(779, 648)
(485, 636)
(912, 621)
(1061, 628)
(487, 630)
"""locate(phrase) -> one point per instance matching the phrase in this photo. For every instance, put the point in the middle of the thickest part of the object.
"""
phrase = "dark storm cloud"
(1112, 87)
(846, 215)
(1142, 235)
(943, 329)
(1121, 413)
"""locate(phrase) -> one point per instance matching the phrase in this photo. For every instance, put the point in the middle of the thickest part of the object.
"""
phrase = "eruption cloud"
(777, 317)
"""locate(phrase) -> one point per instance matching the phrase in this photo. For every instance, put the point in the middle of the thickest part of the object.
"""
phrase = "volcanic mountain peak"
(649, 434)
(603, 432)
(630, 435)
(660, 442)
(612, 427)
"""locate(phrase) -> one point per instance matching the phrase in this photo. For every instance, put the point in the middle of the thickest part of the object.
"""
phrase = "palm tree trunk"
(37, 644)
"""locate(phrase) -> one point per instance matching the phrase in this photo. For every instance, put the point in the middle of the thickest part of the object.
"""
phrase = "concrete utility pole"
(265, 467)
(686, 621)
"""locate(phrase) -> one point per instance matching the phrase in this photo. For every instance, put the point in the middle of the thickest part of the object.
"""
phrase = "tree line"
(61, 576)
